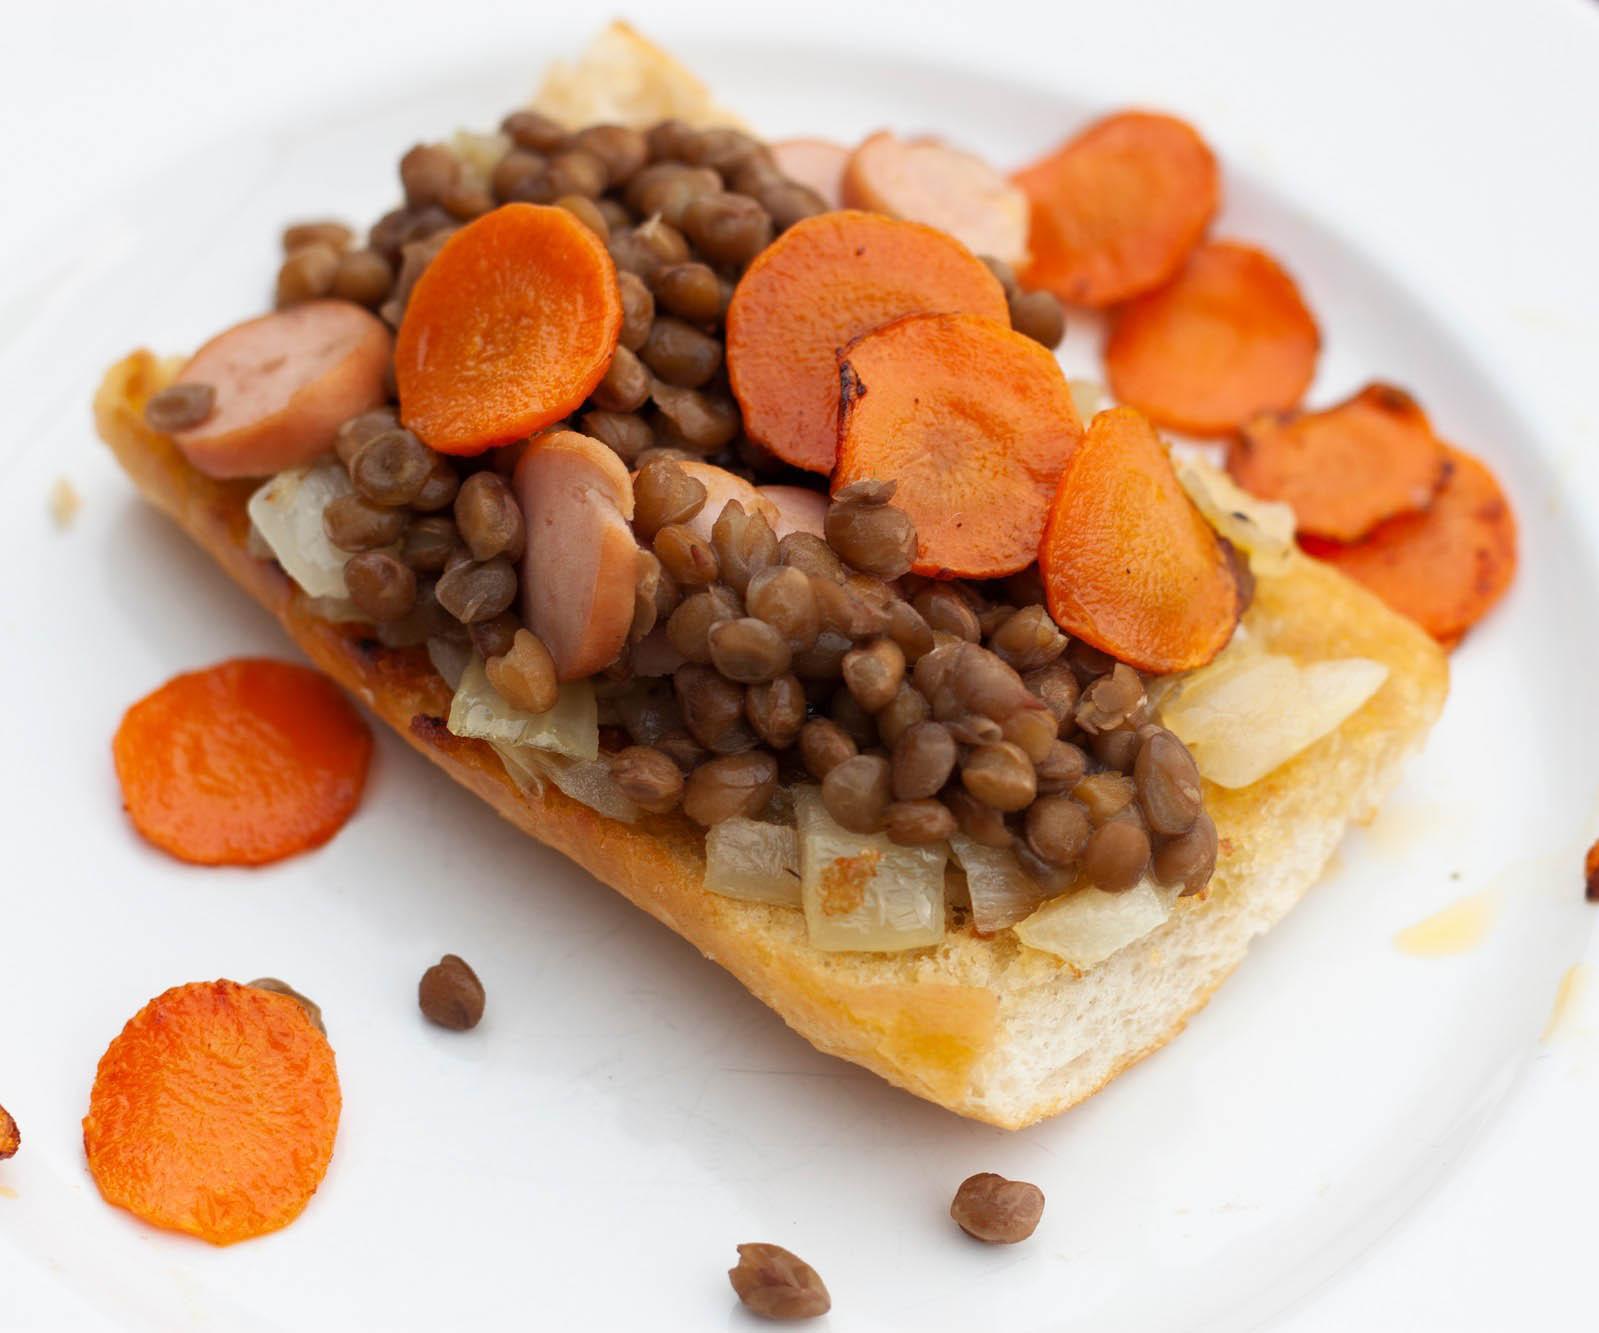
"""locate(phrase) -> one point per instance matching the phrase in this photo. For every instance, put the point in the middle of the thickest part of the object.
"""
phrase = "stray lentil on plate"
(990, 1208)
(450, 994)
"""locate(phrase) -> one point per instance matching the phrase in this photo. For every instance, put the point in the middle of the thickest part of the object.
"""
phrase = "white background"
(1406, 124)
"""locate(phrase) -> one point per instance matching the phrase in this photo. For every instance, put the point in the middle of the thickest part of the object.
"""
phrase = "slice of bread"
(986, 1027)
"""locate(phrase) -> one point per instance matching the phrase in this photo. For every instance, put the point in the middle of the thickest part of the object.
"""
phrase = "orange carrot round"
(823, 282)
(507, 330)
(1116, 211)
(1129, 565)
(1228, 338)
(1444, 568)
(1347, 468)
(974, 421)
(242, 763)
(214, 1112)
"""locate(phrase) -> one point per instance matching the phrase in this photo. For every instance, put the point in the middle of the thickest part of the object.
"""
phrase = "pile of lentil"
(921, 707)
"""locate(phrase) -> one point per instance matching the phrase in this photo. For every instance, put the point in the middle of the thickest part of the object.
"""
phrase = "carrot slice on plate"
(974, 421)
(823, 282)
(214, 1112)
(1228, 338)
(1129, 565)
(1115, 211)
(242, 763)
(507, 330)
(1444, 568)
(1347, 468)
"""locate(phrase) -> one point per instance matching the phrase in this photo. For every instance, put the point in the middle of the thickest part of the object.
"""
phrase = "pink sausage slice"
(923, 180)
(818, 163)
(284, 383)
(720, 487)
(798, 510)
(581, 563)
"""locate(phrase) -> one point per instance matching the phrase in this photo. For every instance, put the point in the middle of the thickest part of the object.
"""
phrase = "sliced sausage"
(720, 487)
(284, 383)
(818, 163)
(580, 566)
(798, 510)
(927, 181)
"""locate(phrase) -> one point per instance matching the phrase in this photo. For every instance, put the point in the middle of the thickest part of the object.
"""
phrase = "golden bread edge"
(934, 1022)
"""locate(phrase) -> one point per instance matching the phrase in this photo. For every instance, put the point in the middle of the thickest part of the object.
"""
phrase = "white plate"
(626, 1113)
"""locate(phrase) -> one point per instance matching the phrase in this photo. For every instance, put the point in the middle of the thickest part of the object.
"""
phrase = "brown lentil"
(713, 709)
(903, 712)
(356, 524)
(441, 487)
(1168, 784)
(873, 673)
(974, 729)
(690, 290)
(745, 545)
(427, 543)
(180, 406)
(307, 274)
(1115, 856)
(990, 1208)
(857, 793)
(681, 748)
(391, 468)
(363, 276)
(669, 246)
(1057, 686)
(514, 173)
(1061, 769)
(915, 823)
(427, 172)
(700, 421)
(471, 591)
(1058, 829)
(586, 211)
(488, 517)
(782, 597)
(525, 676)
(381, 587)
(688, 627)
(666, 189)
(627, 435)
(531, 129)
(685, 555)
(638, 310)
(1116, 749)
(298, 235)
(576, 171)
(981, 823)
(626, 385)
(1104, 794)
(450, 995)
(494, 638)
(1110, 700)
(621, 150)
(1028, 640)
(1039, 316)
(680, 353)
(924, 759)
(808, 553)
(614, 212)
(775, 1284)
(824, 745)
(648, 778)
(984, 684)
(1049, 877)
(789, 202)
(728, 229)
(664, 493)
(1089, 662)
(776, 710)
(868, 532)
(734, 785)
(464, 201)
(907, 628)
(1189, 858)
(747, 650)
(844, 710)
(671, 139)
(945, 609)
(1033, 730)
(1000, 775)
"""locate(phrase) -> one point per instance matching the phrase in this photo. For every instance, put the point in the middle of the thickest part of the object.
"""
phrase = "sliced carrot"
(1116, 211)
(1228, 338)
(507, 330)
(1347, 468)
(1129, 565)
(823, 282)
(242, 763)
(214, 1112)
(974, 421)
(10, 1136)
(1443, 568)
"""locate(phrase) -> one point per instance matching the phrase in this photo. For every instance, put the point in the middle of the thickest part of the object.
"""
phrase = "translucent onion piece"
(588, 782)
(571, 728)
(748, 858)
(1002, 892)
(1249, 712)
(287, 513)
(450, 660)
(478, 154)
(863, 892)
(1262, 529)
(338, 610)
(1086, 926)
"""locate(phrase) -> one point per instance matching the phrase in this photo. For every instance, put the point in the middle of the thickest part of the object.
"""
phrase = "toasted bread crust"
(985, 1027)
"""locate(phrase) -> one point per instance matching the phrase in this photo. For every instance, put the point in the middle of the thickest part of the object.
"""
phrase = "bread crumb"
(64, 503)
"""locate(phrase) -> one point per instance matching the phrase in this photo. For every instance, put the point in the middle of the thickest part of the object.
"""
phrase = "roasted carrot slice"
(507, 330)
(974, 421)
(1115, 211)
(214, 1112)
(823, 282)
(245, 762)
(1345, 469)
(1228, 338)
(1444, 568)
(1128, 563)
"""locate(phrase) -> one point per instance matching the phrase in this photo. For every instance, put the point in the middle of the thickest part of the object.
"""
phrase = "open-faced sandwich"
(754, 551)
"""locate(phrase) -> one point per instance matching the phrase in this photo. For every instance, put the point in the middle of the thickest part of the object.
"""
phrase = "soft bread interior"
(985, 1027)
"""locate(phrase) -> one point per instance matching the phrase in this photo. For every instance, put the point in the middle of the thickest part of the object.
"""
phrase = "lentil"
(427, 172)
(945, 609)
(628, 436)
(775, 1284)
(824, 745)
(728, 229)
(664, 493)
(666, 189)
(1039, 316)
(531, 129)
(471, 591)
(621, 150)
(844, 710)
(1116, 749)
(525, 676)
(745, 545)
(1058, 829)
(363, 276)
(903, 712)
(1168, 784)
(1115, 856)
(180, 406)
(355, 524)
(1000, 775)
(307, 274)
(626, 385)
(924, 759)
(789, 202)
(1189, 858)
(748, 650)
(488, 517)
(298, 235)
(1061, 769)
(440, 488)
(699, 421)
(907, 628)
(713, 709)
(1049, 877)
(1028, 640)
(734, 785)
(981, 823)
(381, 587)
(391, 468)
(983, 684)
(648, 778)
(680, 353)
(990, 1208)
(685, 555)
(776, 710)
(576, 171)
(690, 290)
(914, 823)
(808, 553)
(857, 793)
(868, 532)
(688, 627)
(586, 211)
(427, 542)
(494, 638)
(451, 995)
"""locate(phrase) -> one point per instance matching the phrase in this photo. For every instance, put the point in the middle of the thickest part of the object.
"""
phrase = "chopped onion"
(748, 858)
(478, 155)
(287, 512)
(1086, 926)
(338, 610)
(1249, 712)
(449, 660)
(588, 782)
(861, 891)
(570, 728)
(1262, 529)
(1002, 892)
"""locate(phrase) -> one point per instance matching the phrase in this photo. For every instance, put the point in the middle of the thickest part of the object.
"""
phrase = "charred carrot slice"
(214, 1112)
(974, 421)
(1345, 469)
(507, 330)
(822, 283)
(1115, 211)
(1444, 568)
(242, 763)
(1228, 338)
(1129, 565)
